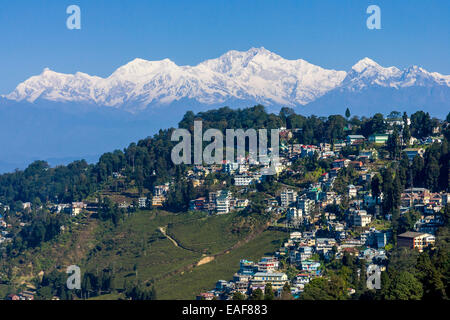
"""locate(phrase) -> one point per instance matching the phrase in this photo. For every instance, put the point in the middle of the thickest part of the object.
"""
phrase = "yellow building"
(158, 201)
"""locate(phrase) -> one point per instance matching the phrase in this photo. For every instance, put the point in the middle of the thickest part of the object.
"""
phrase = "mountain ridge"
(257, 75)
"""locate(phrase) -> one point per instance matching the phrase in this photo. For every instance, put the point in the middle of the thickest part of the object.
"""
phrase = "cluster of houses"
(218, 202)
(73, 209)
(27, 294)
(4, 233)
(301, 251)
(306, 207)
(249, 277)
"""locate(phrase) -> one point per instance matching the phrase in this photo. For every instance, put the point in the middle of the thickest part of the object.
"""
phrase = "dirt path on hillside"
(208, 259)
(163, 231)
(205, 260)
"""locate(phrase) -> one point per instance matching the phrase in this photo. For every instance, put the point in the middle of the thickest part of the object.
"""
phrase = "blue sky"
(330, 33)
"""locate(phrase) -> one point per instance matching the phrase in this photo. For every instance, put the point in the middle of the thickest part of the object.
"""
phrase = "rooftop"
(411, 234)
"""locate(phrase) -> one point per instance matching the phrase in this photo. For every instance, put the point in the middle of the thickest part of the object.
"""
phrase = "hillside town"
(327, 197)
(317, 234)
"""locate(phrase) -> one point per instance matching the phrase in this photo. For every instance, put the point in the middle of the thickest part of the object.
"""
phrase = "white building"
(361, 218)
(352, 191)
(223, 202)
(288, 196)
(306, 205)
(294, 214)
(142, 202)
(242, 180)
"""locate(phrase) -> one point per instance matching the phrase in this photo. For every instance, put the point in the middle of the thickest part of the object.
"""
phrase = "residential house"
(352, 191)
(355, 139)
(158, 201)
(267, 264)
(370, 154)
(361, 218)
(198, 204)
(306, 205)
(413, 152)
(378, 138)
(277, 279)
(242, 180)
(77, 207)
(142, 202)
(311, 266)
(416, 240)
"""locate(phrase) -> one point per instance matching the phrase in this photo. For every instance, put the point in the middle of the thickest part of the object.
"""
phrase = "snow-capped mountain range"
(256, 75)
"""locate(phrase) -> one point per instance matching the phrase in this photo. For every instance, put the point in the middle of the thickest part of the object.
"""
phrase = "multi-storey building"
(306, 205)
(222, 201)
(415, 240)
(288, 197)
(361, 218)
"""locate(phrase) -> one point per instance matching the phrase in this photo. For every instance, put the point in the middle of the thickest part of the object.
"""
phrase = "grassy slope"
(208, 235)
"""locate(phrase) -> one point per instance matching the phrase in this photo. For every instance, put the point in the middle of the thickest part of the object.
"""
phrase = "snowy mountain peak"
(140, 67)
(234, 60)
(252, 52)
(365, 63)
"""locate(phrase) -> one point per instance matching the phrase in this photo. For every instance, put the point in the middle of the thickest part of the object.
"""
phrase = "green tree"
(376, 187)
(332, 288)
(347, 113)
(431, 278)
(268, 292)
(432, 171)
(257, 294)
(393, 144)
(404, 286)
(237, 295)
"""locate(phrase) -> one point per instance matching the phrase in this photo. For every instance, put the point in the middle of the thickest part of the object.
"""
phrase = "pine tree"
(432, 171)
(268, 292)
(404, 286)
(393, 144)
(376, 187)
(347, 113)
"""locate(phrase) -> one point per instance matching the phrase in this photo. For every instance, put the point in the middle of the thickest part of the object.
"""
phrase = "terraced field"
(182, 254)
